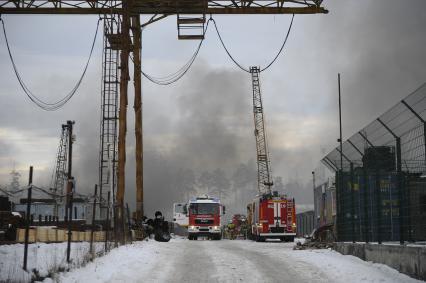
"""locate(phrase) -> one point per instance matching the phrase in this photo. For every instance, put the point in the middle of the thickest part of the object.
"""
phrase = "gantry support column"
(122, 118)
(136, 30)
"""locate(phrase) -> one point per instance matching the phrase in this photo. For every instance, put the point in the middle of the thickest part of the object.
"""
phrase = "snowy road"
(182, 260)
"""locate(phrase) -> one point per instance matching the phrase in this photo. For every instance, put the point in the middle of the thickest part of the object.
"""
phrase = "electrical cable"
(270, 63)
(40, 103)
(174, 77)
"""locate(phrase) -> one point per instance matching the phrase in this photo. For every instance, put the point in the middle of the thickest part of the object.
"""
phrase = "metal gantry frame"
(162, 7)
(125, 39)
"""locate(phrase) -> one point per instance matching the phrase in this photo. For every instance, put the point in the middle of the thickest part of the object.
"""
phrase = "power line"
(270, 63)
(174, 77)
(40, 103)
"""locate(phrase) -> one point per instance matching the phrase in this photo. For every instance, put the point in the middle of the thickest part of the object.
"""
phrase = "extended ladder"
(264, 179)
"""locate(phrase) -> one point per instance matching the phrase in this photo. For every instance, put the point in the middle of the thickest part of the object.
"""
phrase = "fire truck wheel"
(217, 237)
(260, 239)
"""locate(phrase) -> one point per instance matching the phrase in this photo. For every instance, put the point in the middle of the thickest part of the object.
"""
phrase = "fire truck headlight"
(216, 228)
(191, 228)
(294, 225)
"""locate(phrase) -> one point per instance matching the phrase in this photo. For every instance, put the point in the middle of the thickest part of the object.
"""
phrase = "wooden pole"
(122, 116)
(137, 42)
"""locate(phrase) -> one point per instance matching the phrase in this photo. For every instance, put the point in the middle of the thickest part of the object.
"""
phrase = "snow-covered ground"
(182, 260)
(44, 259)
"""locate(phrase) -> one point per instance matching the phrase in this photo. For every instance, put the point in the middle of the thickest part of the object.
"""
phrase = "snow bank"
(127, 264)
(181, 260)
(43, 259)
(347, 268)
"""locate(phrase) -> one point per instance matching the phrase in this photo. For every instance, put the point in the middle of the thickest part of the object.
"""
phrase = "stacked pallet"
(52, 235)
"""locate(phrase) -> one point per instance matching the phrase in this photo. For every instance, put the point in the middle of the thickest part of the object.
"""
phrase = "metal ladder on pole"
(109, 112)
(289, 214)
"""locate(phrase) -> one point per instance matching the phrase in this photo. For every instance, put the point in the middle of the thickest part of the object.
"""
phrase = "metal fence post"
(129, 225)
(107, 222)
(338, 206)
(366, 217)
(28, 217)
(93, 220)
(378, 208)
(400, 191)
(352, 202)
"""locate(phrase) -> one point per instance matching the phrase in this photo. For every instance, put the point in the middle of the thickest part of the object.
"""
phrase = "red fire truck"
(205, 214)
(272, 216)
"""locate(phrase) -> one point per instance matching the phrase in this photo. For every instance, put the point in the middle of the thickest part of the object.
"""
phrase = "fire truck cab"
(205, 215)
(272, 216)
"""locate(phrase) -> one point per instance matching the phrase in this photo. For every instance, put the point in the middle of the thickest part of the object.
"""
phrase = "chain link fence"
(381, 176)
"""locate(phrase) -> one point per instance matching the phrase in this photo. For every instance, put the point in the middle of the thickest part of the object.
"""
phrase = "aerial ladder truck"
(270, 214)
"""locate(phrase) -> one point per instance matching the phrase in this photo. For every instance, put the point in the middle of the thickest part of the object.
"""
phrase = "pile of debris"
(321, 238)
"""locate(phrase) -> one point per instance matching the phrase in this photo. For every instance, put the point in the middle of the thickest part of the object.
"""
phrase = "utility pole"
(340, 174)
(122, 115)
(70, 186)
(137, 42)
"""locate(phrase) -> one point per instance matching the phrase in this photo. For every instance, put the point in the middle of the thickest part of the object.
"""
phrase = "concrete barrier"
(409, 260)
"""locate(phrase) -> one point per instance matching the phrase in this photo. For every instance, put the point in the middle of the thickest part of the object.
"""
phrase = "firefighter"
(231, 230)
(161, 228)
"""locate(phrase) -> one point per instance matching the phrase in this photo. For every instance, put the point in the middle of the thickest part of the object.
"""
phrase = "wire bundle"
(40, 103)
(261, 69)
(174, 77)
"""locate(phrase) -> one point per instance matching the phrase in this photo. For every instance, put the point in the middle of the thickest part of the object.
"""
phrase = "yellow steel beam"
(161, 7)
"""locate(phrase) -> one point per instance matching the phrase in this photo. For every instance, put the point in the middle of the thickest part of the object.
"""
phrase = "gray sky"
(204, 121)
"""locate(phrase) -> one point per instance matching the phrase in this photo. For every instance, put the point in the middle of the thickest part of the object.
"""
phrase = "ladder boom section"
(264, 179)
(162, 7)
(61, 164)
